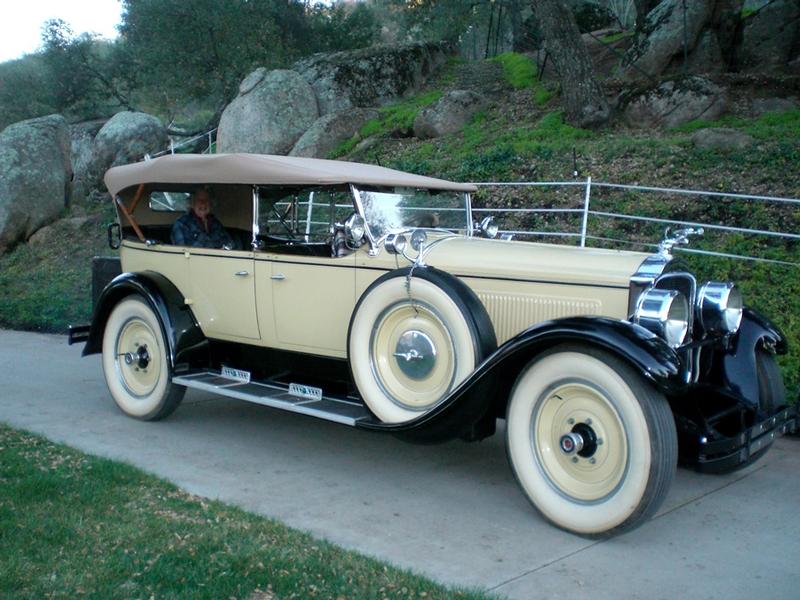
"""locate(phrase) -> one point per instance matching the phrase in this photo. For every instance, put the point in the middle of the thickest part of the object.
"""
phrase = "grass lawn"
(73, 525)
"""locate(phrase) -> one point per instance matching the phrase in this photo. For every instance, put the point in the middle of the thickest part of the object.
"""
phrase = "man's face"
(201, 204)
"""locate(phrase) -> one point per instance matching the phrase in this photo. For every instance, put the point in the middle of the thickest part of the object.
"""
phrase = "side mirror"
(355, 229)
(114, 236)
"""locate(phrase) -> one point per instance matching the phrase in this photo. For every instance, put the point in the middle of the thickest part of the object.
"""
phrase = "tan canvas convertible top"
(262, 169)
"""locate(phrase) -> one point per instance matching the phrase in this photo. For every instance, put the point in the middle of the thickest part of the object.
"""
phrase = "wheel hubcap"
(412, 355)
(137, 358)
(579, 441)
(415, 354)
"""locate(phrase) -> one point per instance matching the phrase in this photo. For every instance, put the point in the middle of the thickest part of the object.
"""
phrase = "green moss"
(769, 126)
(401, 116)
(521, 73)
(615, 37)
(397, 117)
(747, 13)
(519, 70)
(542, 94)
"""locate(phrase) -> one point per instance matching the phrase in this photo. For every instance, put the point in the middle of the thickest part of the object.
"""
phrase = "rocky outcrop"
(125, 138)
(448, 114)
(706, 58)
(271, 112)
(35, 176)
(675, 102)
(769, 35)
(663, 35)
(721, 139)
(50, 234)
(81, 151)
(330, 130)
(369, 77)
(767, 105)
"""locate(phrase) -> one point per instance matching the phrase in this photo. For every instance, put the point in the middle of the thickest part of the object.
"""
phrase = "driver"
(198, 227)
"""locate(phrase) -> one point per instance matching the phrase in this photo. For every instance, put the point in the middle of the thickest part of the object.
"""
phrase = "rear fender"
(187, 344)
(486, 391)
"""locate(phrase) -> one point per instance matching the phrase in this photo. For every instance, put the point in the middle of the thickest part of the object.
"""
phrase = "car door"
(305, 294)
(223, 293)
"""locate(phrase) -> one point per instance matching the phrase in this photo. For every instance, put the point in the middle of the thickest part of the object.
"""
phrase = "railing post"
(586, 200)
(171, 146)
(209, 141)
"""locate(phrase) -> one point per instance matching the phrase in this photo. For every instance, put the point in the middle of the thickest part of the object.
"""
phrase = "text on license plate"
(305, 391)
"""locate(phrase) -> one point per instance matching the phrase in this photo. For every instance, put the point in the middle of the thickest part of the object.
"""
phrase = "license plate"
(235, 374)
(305, 391)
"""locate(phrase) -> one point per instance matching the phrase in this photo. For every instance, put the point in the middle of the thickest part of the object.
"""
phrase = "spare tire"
(414, 339)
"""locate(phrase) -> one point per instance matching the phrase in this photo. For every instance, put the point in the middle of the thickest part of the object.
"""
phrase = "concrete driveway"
(452, 512)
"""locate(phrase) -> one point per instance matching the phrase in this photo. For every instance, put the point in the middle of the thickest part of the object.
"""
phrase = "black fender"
(739, 362)
(647, 353)
(456, 424)
(187, 344)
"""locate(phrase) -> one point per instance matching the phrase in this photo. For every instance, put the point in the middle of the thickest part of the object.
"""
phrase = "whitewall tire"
(591, 443)
(408, 351)
(136, 362)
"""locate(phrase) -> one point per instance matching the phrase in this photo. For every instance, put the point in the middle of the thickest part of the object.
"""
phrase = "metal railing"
(582, 207)
(209, 135)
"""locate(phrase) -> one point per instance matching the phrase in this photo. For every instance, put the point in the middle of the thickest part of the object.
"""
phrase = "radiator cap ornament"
(679, 237)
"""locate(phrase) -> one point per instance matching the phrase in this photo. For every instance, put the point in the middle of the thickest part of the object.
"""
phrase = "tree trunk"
(642, 8)
(581, 93)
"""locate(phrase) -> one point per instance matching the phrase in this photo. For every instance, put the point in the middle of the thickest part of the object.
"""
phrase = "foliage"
(62, 511)
(769, 126)
(89, 78)
(342, 26)
(591, 16)
(395, 119)
(25, 90)
(615, 37)
(520, 71)
(205, 48)
(44, 286)
(172, 53)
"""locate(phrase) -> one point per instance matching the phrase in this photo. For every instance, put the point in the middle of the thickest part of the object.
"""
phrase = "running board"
(276, 396)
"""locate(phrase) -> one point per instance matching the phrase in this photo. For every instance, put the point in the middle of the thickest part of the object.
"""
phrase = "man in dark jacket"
(198, 227)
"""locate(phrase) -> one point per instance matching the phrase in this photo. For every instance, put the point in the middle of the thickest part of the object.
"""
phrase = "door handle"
(242, 273)
(278, 277)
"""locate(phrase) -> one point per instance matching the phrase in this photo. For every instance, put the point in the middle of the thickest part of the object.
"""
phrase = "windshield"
(404, 208)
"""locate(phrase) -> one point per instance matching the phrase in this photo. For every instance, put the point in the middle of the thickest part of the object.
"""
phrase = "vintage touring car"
(368, 297)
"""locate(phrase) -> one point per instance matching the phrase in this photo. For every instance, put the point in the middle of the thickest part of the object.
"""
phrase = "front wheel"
(592, 444)
(135, 362)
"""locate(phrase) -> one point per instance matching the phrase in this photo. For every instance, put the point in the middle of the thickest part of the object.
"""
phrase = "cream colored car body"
(304, 303)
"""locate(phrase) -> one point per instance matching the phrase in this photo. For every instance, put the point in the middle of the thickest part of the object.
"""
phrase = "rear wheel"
(592, 444)
(136, 363)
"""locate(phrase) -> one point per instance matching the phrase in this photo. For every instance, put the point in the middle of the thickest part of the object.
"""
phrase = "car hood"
(501, 259)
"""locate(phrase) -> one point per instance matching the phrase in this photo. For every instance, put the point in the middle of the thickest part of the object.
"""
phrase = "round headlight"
(719, 307)
(665, 313)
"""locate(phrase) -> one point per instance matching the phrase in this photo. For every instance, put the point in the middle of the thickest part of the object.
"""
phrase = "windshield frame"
(375, 242)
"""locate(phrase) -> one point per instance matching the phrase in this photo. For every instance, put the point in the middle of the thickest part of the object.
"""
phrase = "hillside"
(520, 135)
